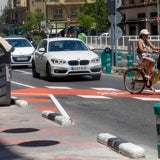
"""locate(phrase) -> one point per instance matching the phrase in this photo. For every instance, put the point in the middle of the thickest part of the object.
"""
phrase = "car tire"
(48, 72)
(96, 77)
(34, 72)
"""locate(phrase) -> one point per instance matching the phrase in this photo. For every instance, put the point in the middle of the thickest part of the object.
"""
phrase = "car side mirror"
(91, 48)
(42, 50)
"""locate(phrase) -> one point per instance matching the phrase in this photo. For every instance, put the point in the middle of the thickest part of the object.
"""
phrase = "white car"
(23, 51)
(104, 34)
(60, 57)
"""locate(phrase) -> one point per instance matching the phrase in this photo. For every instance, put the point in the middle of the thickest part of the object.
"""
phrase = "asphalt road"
(119, 114)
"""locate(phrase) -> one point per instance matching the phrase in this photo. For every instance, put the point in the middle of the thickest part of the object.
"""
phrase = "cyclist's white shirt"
(147, 47)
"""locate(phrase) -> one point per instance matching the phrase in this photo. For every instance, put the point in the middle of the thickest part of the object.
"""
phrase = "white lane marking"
(21, 84)
(57, 87)
(92, 96)
(147, 99)
(21, 71)
(59, 106)
(108, 89)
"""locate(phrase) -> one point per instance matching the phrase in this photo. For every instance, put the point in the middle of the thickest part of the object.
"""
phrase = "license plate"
(22, 58)
(78, 68)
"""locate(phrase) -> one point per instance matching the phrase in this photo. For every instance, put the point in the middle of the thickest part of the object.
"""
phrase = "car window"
(66, 46)
(19, 42)
(42, 44)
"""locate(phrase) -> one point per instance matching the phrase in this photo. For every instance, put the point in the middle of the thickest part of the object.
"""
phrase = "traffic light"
(111, 7)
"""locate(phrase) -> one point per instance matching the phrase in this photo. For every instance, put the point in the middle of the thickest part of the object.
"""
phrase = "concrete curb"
(121, 146)
(58, 118)
(19, 102)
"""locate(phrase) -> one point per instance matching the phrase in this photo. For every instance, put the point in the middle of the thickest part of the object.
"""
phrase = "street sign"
(118, 32)
(117, 19)
(118, 3)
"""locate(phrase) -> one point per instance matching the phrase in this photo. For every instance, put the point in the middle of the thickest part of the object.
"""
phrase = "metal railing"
(125, 43)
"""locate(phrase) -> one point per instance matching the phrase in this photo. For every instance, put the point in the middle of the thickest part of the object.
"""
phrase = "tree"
(4, 19)
(94, 15)
(86, 22)
(102, 23)
(33, 20)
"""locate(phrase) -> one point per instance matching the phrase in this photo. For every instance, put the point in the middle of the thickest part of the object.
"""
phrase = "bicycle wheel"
(134, 80)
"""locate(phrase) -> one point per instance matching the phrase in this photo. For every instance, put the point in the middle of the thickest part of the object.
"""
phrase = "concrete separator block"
(131, 150)
(58, 118)
(104, 137)
(121, 145)
(21, 103)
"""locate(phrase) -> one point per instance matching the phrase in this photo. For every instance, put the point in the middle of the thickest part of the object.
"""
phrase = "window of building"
(73, 11)
(58, 12)
(32, 2)
(131, 1)
(141, 15)
(38, 10)
(132, 30)
(153, 14)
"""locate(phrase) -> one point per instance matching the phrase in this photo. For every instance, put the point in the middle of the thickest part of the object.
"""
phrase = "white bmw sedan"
(60, 57)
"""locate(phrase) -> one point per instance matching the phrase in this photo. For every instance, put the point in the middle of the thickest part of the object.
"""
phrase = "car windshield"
(19, 42)
(66, 45)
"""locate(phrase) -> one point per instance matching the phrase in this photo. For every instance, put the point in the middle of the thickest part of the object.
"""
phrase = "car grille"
(78, 62)
(22, 58)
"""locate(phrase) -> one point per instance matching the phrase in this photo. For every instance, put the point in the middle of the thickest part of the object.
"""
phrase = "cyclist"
(144, 50)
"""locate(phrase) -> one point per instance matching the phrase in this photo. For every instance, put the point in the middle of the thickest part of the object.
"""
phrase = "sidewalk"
(26, 135)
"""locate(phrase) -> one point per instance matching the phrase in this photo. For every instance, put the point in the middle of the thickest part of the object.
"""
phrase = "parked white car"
(60, 57)
(104, 34)
(23, 51)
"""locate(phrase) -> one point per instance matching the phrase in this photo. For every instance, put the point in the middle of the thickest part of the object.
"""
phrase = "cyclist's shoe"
(152, 89)
(148, 77)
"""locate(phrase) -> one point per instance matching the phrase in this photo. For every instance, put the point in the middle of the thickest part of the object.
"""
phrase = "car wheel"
(96, 77)
(48, 72)
(34, 72)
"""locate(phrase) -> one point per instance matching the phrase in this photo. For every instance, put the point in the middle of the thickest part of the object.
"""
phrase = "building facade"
(139, 14)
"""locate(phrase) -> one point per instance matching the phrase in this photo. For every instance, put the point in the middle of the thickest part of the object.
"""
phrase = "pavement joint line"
(121, 145)
(56, 117)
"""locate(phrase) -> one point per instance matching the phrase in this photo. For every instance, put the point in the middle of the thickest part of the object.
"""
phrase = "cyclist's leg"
(149, 63)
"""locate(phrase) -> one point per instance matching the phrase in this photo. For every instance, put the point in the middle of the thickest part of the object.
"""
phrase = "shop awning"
(54, 31)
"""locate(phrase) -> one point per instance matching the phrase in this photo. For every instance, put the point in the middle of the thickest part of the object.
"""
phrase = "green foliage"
(33, 20)
(94, 15)
(86, 22)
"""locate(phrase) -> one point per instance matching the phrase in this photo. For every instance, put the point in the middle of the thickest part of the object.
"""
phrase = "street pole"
(158, 24)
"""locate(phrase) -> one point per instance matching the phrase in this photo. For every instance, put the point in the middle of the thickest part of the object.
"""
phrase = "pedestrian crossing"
(110, 93)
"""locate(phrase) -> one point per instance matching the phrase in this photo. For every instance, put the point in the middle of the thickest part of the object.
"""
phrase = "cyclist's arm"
(153, 46)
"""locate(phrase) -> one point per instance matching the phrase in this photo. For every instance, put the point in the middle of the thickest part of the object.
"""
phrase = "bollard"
(130, 60)
(119, 58)
(108, 63)
(103, 59)
(106, 60)
(157, 113)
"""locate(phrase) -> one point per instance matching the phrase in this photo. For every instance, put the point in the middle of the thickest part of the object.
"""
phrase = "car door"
(40, 59)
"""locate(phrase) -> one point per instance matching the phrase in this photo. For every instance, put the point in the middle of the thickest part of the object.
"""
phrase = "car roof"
(62, 39)
(14, 37)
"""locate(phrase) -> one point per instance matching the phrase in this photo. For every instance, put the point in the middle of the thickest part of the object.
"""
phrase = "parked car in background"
(23, 51)
(61, 57)
(104, 34)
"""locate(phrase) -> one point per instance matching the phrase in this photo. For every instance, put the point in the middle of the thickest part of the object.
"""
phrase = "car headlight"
(58, 61)
(95, 60)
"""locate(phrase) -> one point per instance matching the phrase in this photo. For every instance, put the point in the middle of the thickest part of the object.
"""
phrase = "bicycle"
(135, 81)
